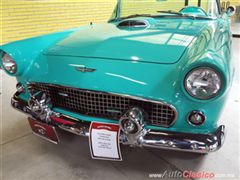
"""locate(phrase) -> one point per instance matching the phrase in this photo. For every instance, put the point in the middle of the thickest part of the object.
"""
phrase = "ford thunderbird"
(160, 70)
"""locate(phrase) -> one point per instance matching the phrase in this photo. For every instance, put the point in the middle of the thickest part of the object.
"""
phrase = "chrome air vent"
(133, 23)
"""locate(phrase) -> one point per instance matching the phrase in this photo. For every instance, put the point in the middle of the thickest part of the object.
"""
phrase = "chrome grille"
(105, 105)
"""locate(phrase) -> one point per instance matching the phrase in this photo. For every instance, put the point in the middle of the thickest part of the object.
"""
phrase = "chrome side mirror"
(231, 10)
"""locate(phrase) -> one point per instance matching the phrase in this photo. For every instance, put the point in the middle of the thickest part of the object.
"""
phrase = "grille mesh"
(104, 105)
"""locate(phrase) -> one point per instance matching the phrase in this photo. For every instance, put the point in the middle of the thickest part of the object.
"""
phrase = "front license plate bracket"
(44, 130)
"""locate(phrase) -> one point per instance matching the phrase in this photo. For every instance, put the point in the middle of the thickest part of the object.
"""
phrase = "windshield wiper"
(171, 12)
(136, 15)
(184, 15)
(178, 13)
(158, 16)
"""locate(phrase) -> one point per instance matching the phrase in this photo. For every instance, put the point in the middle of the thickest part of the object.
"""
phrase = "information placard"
(104, 141)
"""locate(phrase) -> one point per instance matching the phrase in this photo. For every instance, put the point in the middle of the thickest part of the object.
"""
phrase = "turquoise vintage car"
(161, 69)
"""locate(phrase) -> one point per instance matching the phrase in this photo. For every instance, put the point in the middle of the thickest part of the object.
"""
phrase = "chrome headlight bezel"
(214, 73)
(9, 65)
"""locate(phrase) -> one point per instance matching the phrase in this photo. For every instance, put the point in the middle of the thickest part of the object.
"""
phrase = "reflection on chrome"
(198, 143)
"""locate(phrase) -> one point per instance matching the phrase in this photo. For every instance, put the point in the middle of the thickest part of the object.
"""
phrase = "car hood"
(163, 41)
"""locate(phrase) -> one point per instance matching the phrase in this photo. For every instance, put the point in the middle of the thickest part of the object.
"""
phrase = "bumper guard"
(196, 143)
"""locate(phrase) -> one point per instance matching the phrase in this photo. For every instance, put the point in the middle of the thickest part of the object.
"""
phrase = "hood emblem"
(85, 69)
(82, 68)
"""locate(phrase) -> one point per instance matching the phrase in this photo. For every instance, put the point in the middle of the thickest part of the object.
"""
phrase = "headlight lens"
(9, 64)
(203, 83)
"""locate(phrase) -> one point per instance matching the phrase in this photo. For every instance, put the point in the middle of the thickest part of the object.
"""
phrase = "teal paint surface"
(148, 63)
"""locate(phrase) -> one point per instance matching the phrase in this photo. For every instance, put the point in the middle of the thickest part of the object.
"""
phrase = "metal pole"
(219, 6)
(199, 3)
(118, 13)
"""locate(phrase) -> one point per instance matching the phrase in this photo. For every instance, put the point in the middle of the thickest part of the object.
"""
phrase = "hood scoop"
(133, 23)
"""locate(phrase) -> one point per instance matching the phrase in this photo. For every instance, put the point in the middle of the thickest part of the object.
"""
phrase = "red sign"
(44, 130)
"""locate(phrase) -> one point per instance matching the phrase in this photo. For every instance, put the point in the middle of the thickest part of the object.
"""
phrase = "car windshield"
(166, 8)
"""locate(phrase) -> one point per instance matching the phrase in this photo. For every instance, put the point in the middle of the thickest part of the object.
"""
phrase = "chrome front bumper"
(196, 143)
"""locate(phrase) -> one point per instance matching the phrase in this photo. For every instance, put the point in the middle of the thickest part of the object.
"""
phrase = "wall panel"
(22, 19)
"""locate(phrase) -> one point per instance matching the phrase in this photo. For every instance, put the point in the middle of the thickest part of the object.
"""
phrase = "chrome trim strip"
(117, 94)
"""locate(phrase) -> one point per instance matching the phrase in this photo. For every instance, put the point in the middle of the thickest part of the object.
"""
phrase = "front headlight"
(9, 64)
(203, 83)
